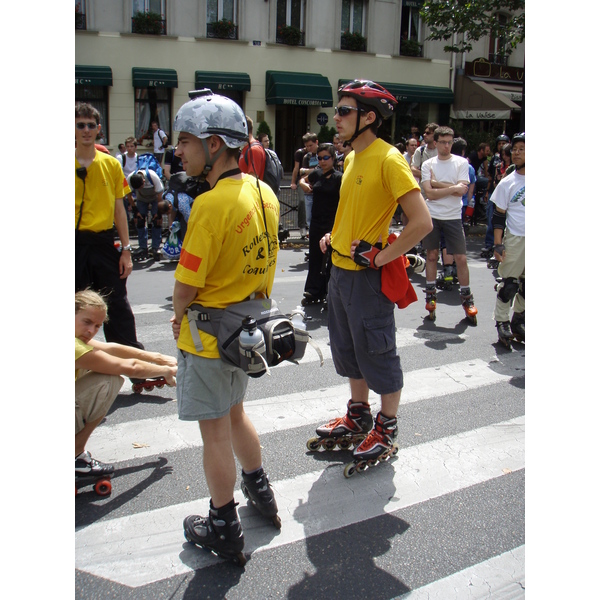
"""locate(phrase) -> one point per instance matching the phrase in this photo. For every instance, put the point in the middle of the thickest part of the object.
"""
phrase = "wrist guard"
(499, 248)
(365, 253)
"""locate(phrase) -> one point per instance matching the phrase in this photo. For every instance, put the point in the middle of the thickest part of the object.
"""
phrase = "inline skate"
(430, 300)
(447, 278)
(378, 446)
(345, 432)
(258, 491)
(139, 254)
(222, 536)
(466, 299)
(89, 471)
(505, 335)
(517, 326)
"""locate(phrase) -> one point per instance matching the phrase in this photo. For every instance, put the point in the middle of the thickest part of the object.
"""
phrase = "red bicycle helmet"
(371, 94)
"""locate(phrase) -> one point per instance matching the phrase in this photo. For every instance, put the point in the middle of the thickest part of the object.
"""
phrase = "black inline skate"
(139, 254)
(345, 432)
(258, 491)
(517, 326)
(222, 536)
(377, 447)
(505, 335)
(310, 299)
(89, 471)
(446, 278)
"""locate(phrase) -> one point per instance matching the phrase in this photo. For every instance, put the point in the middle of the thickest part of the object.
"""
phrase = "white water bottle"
(252, 344)
(297, 318)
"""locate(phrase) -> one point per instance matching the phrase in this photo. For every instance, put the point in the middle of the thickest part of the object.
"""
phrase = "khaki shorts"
(94, 395)
(207, 388)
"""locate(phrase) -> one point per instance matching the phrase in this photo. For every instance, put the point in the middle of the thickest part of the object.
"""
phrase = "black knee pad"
(508, 289)
(140, 222)
(157, 221)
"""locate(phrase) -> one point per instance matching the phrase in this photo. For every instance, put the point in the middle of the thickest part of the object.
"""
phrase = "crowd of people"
(351, 188)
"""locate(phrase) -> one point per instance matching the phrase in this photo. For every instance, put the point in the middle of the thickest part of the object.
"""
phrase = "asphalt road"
(443, 519)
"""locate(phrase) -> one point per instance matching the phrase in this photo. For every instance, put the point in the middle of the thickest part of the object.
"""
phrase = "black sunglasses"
(88, 125)
(325, 157)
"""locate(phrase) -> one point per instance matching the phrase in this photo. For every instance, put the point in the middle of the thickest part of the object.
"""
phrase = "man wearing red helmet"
(361, 318)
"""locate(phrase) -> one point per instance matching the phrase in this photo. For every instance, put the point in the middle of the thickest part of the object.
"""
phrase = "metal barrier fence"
(288, 207)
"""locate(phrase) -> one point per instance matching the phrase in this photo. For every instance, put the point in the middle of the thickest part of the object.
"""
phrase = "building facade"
(281, 60)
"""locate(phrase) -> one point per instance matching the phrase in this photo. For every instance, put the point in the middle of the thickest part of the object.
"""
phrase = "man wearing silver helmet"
(228, 254)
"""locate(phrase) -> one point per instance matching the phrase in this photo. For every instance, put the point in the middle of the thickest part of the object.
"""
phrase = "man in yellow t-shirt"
(361, 318)
(98, 204)
(229, 252)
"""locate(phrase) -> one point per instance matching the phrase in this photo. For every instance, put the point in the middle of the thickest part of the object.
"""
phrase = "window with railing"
(221, 19)
(290, 22)
(354, 18)
(149, 16)
(410, 29)
(80, 18)
(497, 51)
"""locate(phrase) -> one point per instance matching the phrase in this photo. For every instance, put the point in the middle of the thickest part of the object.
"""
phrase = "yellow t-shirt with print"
(373, 181)
(225, 253)
(81, 348)
(103, 185)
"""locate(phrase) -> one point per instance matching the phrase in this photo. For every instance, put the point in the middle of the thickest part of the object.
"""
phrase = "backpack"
(281, 340)
(148, 161)
(273, 168)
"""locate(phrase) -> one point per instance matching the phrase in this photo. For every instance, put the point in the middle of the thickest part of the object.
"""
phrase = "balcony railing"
(80, 20)
(411, 48)
(499, 59)
(353, 41)
(149, 23)
(224, 30)
(291, 36)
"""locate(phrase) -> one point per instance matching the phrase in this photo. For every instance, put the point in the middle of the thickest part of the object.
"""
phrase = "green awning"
(298, 89)
(154, 77)
(219, 81)
(92, 75)
(415, 93)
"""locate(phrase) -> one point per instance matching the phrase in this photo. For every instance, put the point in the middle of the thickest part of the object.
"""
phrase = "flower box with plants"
(354, 41)
(148, 22)
(292, 36)
(223, 29)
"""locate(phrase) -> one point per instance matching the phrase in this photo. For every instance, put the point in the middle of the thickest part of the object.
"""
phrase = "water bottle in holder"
(300, 333)
(252, 348)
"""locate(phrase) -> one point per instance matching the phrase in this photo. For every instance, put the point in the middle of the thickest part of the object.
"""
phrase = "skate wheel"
(137, 388)
(344, 444)
(349, 470)
(103, 487)
(473, 320)
(329, 444)
(431, 315)
(313, 444)
(362, 466)
(276, 521)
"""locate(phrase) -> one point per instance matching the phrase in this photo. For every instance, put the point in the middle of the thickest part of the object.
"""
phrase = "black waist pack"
(280, 339)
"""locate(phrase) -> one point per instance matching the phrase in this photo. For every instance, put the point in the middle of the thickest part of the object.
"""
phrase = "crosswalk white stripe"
(404, 337)
(146, 547)
(501, 577)
(112, 443)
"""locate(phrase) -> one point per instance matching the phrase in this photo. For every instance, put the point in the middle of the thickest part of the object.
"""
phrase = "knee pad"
(157, 221)
(140, 222)
(508, 289)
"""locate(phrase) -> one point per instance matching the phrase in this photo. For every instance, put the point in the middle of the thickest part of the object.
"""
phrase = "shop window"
(153, 103)
(97, 96)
